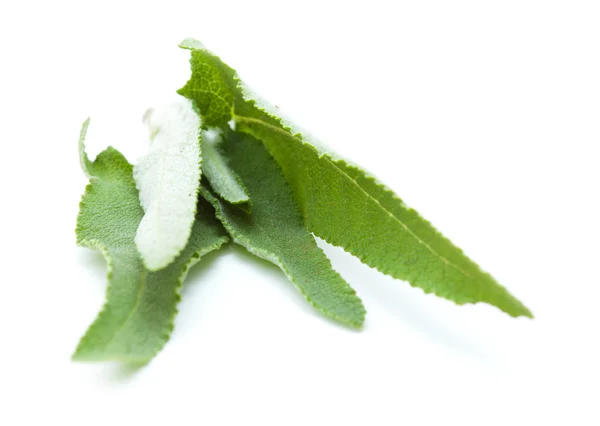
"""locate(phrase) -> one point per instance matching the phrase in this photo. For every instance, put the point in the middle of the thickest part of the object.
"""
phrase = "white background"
(485, 116)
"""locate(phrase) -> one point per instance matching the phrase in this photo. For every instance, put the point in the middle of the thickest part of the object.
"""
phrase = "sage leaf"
(168, 179)
(223, 180)
(137, 318)
(341, 203)
(275, 231)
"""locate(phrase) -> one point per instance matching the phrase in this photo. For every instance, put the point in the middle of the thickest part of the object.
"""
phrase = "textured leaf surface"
(275, 231)
(137, 318)
(168, 178)
(223, 180)
(341, 204)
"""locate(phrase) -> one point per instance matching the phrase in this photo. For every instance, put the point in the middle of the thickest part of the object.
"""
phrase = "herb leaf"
(223, 180)
(340, 203)
(168, 178)
(137, 318)
(275, 231)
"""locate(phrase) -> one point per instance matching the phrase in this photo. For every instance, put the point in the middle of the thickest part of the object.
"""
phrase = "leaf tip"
(358, 325)
(83, 157)
(244, 205)
(516, 310)
(192, 44)
(154, 259)
(527, 313)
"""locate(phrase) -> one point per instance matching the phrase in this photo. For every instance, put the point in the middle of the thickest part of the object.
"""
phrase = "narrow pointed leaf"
(137, 318)
(223, 180)
(84, 161)
(168, 178)
(340, 203)
(275, 232)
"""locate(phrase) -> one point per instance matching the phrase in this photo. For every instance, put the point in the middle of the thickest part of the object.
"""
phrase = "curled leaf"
(223, 180)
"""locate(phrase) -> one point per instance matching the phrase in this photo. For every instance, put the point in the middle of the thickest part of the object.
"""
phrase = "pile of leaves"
(223, 166)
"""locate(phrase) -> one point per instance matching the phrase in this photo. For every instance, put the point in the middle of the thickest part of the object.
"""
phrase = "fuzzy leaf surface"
(341, 203)
(168, 179)
(137, 317)
(275, 231)
(223, 180)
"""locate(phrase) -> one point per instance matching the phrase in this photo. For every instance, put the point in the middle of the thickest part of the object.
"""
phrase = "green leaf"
(215, 103)
(137, 318)
(340, 203)
(275, 231)
(216, 90)
(168, 178)
(223, 180)
(84, 161)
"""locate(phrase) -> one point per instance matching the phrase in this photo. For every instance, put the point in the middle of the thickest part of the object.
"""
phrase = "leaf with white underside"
(137, 317)
(168, 179)
(223, 180)
(275, 231)
(341, 203)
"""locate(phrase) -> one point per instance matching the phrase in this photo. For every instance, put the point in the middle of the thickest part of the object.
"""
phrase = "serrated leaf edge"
(166, 334)
(244, 242)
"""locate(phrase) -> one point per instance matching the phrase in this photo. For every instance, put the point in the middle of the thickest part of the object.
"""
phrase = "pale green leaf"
(340, 203)
(168, 178)
(223, 180)
(84, 161)
(275, 231)
(137, 318)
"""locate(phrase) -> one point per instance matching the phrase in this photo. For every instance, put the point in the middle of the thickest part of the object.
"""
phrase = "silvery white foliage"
(168, 179)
